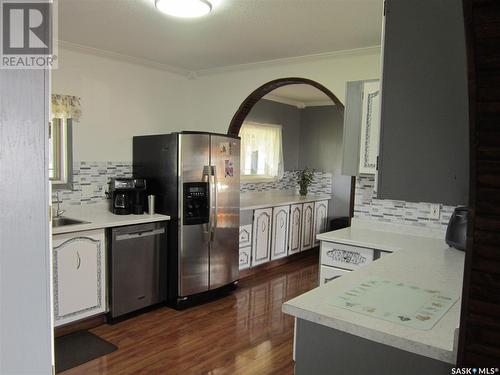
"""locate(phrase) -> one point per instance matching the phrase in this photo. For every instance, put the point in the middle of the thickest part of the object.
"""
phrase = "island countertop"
(98, 216)
(423, 261)
(264, 199)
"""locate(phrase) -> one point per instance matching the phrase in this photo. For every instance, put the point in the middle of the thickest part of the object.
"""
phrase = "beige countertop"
(418, 260)
(264, 199)
(98, 216)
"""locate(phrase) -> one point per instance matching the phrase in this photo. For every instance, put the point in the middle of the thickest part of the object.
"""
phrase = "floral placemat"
(396, 302)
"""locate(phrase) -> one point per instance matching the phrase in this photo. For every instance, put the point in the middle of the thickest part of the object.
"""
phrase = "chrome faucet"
(59, 212)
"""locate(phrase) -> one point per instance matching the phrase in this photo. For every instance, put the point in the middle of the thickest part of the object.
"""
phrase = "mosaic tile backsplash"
(322, 183)
(90, 181)
(366, 206)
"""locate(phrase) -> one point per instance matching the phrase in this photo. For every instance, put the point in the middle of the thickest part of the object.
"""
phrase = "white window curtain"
(261, 151)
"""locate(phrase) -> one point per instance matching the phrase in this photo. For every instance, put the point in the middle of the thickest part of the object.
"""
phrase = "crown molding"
(125, 58)
(297, 103)
(205, 72)
(291, 60)
(320, 103)
(282, 100)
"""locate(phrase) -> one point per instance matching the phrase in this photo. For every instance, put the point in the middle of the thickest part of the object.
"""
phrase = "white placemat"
(396, 302)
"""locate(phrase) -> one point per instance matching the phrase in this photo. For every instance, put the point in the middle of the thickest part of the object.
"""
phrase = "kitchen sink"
(62, 221)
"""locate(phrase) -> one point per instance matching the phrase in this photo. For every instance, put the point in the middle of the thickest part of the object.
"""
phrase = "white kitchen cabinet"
(361, 128)
(245, 235)
(307, 234)
(327, 274)
(370, 128)
(245, 256)
(320, 219)
(345, 256)
(261, 239)
(295, 228)
(279, 240)
(79, 275)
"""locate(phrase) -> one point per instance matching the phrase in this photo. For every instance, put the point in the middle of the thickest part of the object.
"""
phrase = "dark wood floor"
(243, 333)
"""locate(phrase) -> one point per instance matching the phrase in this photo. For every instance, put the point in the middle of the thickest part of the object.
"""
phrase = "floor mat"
(77, 348)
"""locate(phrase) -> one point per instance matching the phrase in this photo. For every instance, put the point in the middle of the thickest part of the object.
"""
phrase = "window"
(64, 110)
(60, 154)
(261, 151)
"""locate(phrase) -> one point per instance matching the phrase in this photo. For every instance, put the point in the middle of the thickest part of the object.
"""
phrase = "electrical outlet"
(435, 211)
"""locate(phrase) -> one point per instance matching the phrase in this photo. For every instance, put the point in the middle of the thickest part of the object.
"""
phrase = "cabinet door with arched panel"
(295, 226)
(320, 219)
(261, 239)
(79, 274)
(307, 226)
(279, 240)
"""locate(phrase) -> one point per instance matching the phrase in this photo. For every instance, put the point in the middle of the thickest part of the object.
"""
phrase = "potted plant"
(306, 177)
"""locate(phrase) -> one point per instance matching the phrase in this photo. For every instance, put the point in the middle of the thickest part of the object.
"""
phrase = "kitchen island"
(332, 339)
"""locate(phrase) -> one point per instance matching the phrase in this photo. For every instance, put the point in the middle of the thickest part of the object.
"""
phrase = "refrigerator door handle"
(216, 208)
(207, 174)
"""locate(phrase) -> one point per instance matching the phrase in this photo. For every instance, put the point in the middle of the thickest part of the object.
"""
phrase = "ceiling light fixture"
(184, 8)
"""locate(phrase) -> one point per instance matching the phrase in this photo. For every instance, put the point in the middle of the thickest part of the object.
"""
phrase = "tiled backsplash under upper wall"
(366, 206)
(90, 182)
(322, 183)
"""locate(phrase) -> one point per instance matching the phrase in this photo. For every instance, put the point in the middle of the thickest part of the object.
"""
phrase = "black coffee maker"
(128, 196)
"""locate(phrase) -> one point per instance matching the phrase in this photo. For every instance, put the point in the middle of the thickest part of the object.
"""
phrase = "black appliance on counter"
(128, 196)
(456, 233)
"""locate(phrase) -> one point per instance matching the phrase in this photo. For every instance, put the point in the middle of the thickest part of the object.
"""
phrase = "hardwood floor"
(243, 333)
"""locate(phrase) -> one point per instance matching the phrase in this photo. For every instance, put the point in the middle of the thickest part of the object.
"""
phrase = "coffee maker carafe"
(127, 196)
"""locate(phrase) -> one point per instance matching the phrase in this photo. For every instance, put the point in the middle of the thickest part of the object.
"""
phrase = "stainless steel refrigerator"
(196, 180)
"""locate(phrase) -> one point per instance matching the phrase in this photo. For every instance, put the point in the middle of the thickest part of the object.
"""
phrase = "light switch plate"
(435, 211)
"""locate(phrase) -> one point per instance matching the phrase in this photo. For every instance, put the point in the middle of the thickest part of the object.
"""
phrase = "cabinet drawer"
(345, 256)
(245, 235)
(328, 274)
(245, 253)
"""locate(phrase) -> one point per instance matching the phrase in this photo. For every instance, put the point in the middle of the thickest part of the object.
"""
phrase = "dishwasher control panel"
(196, 203)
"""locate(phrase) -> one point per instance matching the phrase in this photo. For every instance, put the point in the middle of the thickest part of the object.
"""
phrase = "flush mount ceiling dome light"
(184, 8)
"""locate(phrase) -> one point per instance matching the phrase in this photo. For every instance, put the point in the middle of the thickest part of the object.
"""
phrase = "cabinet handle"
(328, 279)
(282, 222)
(264, 227)
(78, 260)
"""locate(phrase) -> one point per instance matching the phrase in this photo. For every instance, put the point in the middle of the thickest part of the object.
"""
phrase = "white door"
(79, 275)
(261, 244)
(279, 241)
(294, 228)
(370, 128)
(320, 219)
(307, 226)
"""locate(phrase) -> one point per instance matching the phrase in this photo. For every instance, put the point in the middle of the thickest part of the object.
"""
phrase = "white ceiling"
(300, 95)
(236, 32)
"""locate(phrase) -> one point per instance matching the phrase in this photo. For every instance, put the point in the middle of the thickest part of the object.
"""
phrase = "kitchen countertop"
(264, 199)
(99, 216)
(418, 260)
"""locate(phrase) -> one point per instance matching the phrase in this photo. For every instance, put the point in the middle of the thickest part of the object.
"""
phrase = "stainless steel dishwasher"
(137, 259)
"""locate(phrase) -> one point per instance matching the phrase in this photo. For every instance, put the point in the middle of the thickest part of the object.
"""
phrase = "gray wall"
(312, 137)
(266, 111)
(321, 148)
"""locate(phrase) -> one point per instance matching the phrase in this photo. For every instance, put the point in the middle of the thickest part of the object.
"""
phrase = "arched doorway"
(259, 93)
